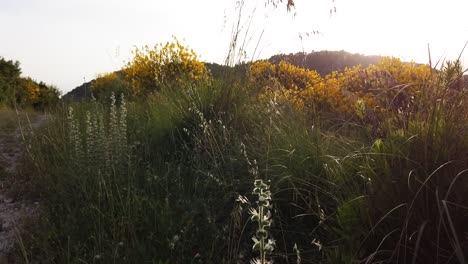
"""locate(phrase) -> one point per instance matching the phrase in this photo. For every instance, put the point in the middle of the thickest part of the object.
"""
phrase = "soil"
(13, 211)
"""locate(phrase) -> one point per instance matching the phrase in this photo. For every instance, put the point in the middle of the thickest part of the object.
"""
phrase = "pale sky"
(64, 42)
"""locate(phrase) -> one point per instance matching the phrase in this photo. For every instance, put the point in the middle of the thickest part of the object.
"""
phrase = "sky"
(67, 42)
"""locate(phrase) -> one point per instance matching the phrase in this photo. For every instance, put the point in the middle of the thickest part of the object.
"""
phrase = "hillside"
(324, 62)
(80, 92)
(180, 161)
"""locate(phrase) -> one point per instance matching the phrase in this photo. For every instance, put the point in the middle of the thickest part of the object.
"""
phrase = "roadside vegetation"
(24, 92)
(273, 163)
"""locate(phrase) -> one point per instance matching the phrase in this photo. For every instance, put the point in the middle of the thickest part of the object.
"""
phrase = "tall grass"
(165, 179)
(416, 170)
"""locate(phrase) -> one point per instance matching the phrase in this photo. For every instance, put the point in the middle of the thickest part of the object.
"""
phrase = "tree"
(10, 72)
(24, 92)
(9, 69)
(48, 97)
(27, 92)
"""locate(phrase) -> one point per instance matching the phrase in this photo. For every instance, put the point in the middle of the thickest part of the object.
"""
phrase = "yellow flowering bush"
(329, 95)
(389, 85)
(106, 84)
(284, 74)
(166, 63)
(304, 88)
(31, 91)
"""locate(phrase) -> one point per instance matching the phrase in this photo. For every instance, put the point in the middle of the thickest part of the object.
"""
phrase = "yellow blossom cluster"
(391, 84)
(304, 88)
(166, 63)
(31, 90)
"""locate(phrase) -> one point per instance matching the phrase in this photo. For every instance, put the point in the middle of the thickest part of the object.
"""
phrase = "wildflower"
(317, 243)
(262, 216)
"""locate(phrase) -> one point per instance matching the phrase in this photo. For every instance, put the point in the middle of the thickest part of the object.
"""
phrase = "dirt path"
(13, 211)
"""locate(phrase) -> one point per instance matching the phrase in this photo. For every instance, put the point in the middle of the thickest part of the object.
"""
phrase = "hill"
(324, 62)
(80, 92)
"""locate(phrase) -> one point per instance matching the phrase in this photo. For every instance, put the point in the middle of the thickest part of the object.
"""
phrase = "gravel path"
(13, 211)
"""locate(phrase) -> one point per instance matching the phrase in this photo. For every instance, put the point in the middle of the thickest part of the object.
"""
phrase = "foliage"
(150, 70)
(24, 92)
(365, 165)
(9, 74)
(47, 98)
(29, 93)
(390, 85)
(326, 62)
(169, 63)
(111, 83)
(305, 88)
(262, 216)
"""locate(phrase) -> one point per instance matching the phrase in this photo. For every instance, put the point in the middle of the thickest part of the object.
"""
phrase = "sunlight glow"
(62, 42)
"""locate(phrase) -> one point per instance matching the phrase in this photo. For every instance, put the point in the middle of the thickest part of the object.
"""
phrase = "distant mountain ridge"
(324, 62)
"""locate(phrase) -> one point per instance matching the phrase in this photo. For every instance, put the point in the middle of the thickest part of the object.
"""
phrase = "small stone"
(8, 200)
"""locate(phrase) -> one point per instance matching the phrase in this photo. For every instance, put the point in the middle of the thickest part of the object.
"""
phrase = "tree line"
(24, 92)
